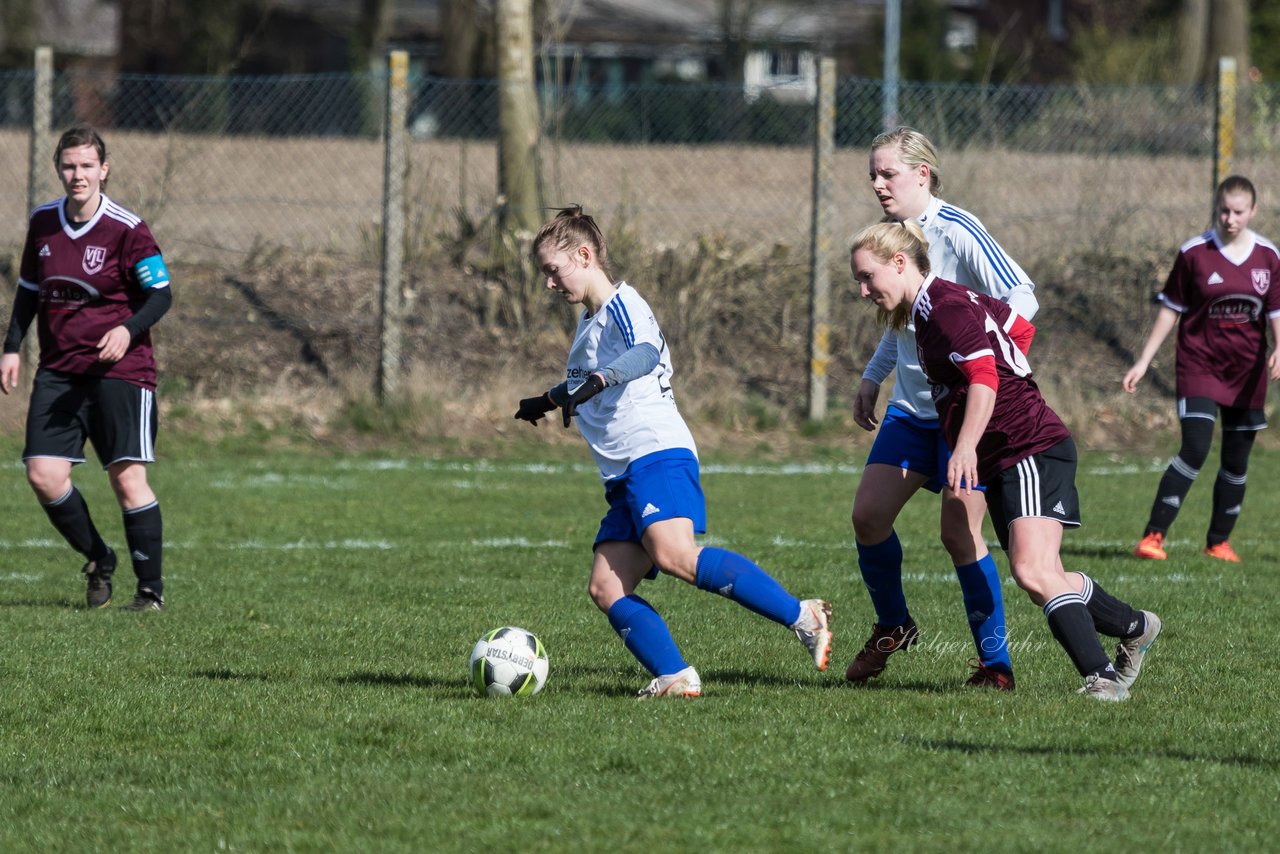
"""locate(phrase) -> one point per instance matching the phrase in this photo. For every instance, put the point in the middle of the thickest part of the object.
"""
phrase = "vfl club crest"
(1261, 281)
(96, 256)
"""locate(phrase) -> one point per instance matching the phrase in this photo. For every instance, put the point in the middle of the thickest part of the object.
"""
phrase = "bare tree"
(1228, 35)
(369, 42)
(736, 17)
(466, 39)
(518, 134)
(1207, 31)
(17, 32)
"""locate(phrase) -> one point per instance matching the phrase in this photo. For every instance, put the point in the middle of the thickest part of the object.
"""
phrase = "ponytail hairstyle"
(886, 239)
(76, 137)
(570, 229)
(915, 150)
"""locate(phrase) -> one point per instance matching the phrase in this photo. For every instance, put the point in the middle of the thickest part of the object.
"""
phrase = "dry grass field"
(276, 244)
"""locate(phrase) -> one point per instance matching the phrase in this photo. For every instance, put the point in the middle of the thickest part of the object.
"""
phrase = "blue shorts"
(658, 486)
(907, 442)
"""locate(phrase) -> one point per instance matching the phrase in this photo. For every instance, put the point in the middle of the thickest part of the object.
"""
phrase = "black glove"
(533, 408)
(589, 389)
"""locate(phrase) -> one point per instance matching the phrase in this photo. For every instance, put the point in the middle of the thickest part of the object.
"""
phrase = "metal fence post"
(394, 167)
(820, 238)
(39, 159)
(1224, 137)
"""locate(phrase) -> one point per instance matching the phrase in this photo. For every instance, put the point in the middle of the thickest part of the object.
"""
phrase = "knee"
(869, 523)
(677, 560)
(603, 595)
(130, 485)
(961, 543)
(47, 483)
(1035, 580)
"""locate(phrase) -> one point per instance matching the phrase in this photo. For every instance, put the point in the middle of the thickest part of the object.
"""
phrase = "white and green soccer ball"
(508, 662)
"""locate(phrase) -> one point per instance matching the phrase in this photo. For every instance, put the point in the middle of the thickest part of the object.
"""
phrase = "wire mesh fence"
(220, 164)
(1068, 179)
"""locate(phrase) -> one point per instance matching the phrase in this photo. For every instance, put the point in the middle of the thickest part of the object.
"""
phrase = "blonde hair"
(571, 228)
(886, 239)
(915, 150)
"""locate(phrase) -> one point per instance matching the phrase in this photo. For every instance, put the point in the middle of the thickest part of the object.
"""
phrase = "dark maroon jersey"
(1222, 332)
(956, 325)
(91, 278)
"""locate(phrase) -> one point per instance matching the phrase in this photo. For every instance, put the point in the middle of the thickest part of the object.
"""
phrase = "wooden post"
(40, 172)
(820, 239)
(395, 165)
(1224, 136)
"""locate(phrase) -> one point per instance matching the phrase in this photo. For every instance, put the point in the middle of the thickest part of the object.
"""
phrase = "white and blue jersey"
(961, 251)
(633, 419)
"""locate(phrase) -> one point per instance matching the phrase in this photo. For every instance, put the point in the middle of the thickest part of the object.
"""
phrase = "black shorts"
(1234, 418)
(1042, 485)
(119, 418)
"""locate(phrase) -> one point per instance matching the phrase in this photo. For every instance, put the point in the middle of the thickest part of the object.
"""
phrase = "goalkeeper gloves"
(532, 409)
(593, 385)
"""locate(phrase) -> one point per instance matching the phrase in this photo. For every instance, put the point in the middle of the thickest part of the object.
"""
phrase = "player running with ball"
(618, 384)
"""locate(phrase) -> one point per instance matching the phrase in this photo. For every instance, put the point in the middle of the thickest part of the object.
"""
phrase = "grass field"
(307, 688)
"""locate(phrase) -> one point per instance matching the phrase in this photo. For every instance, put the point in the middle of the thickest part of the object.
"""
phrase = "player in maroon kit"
(1003, 435)
(93, 275)
(1222, 293)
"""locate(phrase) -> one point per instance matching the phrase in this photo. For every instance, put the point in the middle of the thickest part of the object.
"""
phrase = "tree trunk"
(461, 40)
(370, 40)
(518, 174)
(1193, 24)
(1228, 35)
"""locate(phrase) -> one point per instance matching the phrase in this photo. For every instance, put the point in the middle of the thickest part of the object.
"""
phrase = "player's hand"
(1134, 375)
(532, 409)
(962, 469)
(864, 405)
(593, 385)
(1274, 364)
(10, 363)
(112, 346)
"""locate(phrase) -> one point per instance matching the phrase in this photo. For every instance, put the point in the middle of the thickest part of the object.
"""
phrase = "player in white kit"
(909, 451)
(618, 385)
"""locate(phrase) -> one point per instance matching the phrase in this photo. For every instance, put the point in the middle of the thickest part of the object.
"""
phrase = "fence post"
(394, 166)
(824, 140)
(1224, 137)
(39, 167)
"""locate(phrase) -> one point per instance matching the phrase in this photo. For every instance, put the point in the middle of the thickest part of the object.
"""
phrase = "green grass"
(307, 688)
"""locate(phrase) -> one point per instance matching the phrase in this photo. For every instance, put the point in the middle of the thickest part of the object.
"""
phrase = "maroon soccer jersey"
(88, 278)
(956, 325)
(1222, 332)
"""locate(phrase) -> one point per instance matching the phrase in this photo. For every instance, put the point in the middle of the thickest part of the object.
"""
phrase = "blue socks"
(881, 567)
(734, 577)
(984, 607)
(646, 636)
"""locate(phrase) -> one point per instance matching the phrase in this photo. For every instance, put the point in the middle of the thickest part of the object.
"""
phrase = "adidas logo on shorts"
(649, 510)
(1059, 509)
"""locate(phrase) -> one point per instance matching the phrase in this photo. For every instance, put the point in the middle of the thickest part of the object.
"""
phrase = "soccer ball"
(508, 662)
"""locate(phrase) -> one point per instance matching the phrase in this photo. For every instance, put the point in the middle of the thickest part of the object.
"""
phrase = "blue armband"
(151, 272)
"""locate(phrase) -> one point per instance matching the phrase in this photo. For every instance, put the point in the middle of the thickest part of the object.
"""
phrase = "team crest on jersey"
(96, 256)
(1261, 281)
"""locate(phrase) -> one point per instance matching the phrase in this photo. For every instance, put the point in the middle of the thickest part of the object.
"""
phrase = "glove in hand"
(532, 409)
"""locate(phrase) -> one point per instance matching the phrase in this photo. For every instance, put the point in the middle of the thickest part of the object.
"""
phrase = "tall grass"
(307, 688)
